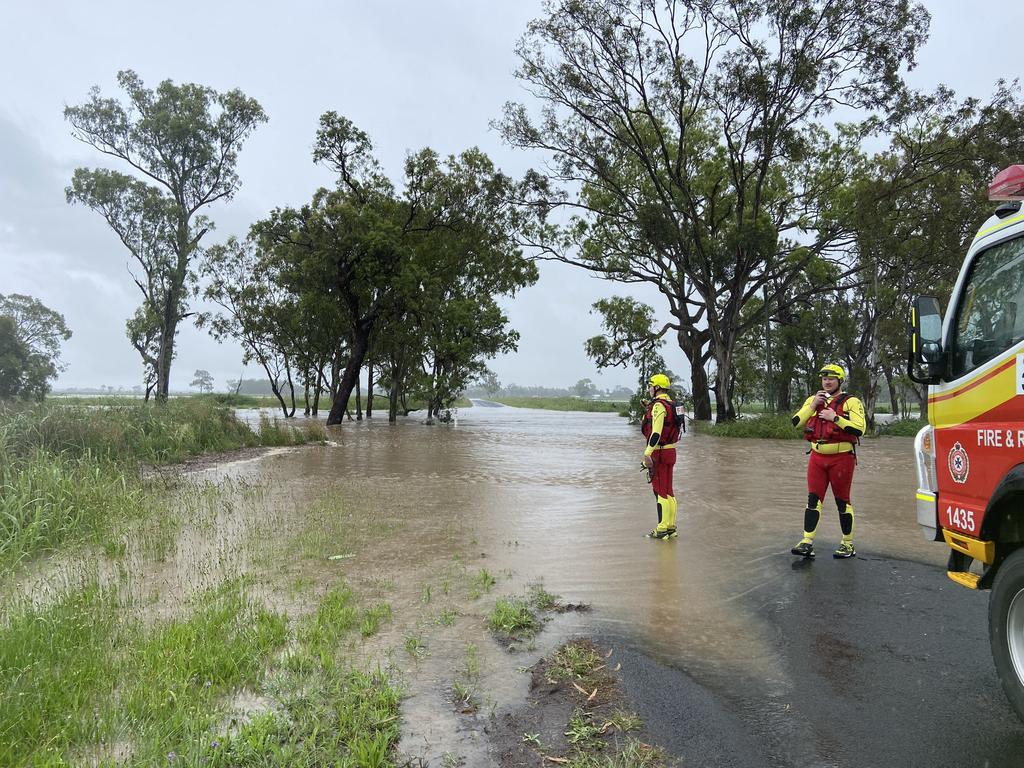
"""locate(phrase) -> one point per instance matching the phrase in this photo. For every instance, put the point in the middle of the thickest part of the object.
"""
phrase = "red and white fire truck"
(970, 457)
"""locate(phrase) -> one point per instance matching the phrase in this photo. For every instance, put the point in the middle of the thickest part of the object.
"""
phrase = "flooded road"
(559, 497)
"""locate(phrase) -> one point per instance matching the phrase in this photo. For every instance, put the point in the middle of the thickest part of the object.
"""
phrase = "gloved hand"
(647, 461)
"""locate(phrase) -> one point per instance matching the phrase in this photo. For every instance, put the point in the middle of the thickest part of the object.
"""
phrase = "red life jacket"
(670, 426)
(820, 431)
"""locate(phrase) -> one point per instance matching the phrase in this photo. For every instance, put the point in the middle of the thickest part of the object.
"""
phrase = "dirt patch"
(574, 711)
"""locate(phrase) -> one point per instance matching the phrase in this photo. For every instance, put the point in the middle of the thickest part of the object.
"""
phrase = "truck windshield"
(988, 321)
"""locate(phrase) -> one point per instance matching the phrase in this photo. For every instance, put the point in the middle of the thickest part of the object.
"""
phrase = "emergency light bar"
(1008, 184)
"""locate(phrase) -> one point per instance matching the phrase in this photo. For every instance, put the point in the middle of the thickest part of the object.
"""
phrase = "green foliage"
(14, 357)
(664, 170)
(30, 338)
(410, 277)
(902, 427)
(574, 661)
(76, 673)
(184, 139)
(766, 426)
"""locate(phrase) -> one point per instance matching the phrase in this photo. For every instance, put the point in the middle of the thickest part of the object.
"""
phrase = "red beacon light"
(1008, 184)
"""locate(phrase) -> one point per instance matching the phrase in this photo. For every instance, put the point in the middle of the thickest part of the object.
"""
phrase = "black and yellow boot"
(671, 519)
(845, 548)
(811, 517)
(662, 532)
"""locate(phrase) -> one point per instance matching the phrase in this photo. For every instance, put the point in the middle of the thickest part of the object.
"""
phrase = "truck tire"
(1006, 628)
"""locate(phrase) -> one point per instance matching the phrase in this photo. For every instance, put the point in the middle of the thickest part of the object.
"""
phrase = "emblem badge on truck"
(959, 464)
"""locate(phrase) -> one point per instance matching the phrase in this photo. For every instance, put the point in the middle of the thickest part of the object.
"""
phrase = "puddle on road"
(410, 515)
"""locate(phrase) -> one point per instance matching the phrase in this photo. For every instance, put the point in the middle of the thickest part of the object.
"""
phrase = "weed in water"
(484, 580)
(472, 668)
(373, 617)
(465, 696)
(425, 594)
(513, 617)
(446, 617)
(541, 599)
(415, 646)
(55, 671)
(451, 760)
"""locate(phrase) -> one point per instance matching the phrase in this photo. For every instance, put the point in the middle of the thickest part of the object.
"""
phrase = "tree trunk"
(724, 408)
(369, 389)
(393, 402)
(360, 346)
(359, 400)
(692, 347)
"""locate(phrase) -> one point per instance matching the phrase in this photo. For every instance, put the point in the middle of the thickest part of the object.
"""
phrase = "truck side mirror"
(927, 360)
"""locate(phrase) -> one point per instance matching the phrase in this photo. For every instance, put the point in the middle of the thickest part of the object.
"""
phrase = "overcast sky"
(410, 73)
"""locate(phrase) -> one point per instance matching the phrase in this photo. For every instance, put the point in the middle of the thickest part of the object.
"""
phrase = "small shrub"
(902, 427)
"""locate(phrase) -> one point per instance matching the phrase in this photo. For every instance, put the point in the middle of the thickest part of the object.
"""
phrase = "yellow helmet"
(833, 370)
(660, 380)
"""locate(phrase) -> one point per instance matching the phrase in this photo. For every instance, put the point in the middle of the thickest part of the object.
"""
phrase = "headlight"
(924, 447)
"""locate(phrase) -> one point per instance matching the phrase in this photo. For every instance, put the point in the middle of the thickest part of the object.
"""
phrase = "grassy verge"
(84, 682)
(68, 473)
(563, 404)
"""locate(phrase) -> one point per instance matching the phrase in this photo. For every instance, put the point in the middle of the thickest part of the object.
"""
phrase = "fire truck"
(970, 457)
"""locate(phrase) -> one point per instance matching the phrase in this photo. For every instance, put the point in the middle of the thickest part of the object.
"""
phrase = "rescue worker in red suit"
(833, 422)
(661, 430)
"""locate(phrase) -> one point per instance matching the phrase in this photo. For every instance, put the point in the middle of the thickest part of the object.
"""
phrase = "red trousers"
(835, 470)
(661, 472)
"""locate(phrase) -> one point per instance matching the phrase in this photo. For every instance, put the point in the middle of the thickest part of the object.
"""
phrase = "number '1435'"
(961, 518)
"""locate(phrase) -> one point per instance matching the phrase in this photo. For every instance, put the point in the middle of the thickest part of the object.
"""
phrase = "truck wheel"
(1006, 628)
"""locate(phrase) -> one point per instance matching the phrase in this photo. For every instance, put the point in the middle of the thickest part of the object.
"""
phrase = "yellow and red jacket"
(668, 428)
(827, 437)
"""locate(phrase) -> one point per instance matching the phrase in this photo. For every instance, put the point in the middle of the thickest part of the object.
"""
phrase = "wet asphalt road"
(894, 668)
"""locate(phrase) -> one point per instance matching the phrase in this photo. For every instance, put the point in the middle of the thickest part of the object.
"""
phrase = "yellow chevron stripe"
(1001, 225)
(969, 401)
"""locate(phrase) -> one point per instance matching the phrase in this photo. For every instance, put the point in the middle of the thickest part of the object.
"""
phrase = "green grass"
(54, 673)
(902, 427)
(82, 675)
(513, 617)
(767, 426)
(70, 473)
(574, 661)
(563, 404)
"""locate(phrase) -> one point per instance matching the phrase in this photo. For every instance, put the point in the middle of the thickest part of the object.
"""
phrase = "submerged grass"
(69, 472)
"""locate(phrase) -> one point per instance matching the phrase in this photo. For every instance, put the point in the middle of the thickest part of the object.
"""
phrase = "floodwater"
(410, 514)
(559, 498)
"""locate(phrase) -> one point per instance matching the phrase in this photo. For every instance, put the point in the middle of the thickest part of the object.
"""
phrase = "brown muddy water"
(412, 514)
